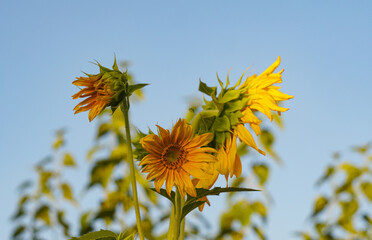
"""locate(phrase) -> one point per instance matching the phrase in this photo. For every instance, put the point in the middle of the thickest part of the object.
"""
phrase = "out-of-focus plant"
(344, 210)
(42, 206)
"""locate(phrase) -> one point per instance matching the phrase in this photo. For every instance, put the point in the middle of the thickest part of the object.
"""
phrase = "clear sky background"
(325, 48)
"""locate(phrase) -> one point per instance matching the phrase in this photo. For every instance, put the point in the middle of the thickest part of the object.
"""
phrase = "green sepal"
(220, 138)
(132, 88)
(234, 117)
(115, 65)
(103, 69)
(228, 78)
(240, 79)
(209, 105)
(236, 105)
(164, 193)
(210, 91)
(220, 82)
(230, 95)
(99, 235)
(221, 124)
(194, 202)
(205, 125)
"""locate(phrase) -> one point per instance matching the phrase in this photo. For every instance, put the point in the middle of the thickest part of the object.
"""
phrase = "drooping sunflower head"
(107, 88)
(228, 112)
(175, 156)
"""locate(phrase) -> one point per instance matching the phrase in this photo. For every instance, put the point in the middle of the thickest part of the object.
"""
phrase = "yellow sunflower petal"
(194, 170)
(247, 138)
(200, 140)
(170, 181)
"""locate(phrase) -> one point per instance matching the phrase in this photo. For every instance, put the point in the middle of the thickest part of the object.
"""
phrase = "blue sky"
(324, 46)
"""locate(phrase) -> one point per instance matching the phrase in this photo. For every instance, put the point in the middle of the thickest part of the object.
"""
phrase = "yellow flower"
(174, 156)
(97, 93)
(261, 96)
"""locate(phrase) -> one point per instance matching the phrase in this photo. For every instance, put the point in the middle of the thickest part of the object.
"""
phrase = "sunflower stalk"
(125, 110)
(178, 220)
(171, 225)
(182, 233)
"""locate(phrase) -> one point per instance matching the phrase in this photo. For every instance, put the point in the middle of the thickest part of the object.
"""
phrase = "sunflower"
(97, 93)
(174, 156)
(258, 94)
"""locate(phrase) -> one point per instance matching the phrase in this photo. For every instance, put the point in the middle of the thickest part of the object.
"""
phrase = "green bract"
(221, 114)
(119, 84)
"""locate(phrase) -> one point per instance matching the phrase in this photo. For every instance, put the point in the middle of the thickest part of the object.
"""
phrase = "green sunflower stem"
(182, 233)
(178, 209)
(171, 225)
(125, 110)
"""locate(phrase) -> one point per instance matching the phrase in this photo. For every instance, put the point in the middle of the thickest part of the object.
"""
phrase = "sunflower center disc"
(173, 156)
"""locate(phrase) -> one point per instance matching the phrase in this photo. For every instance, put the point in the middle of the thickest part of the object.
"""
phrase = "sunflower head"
(109, 87)
(226, 114)
(176, 156)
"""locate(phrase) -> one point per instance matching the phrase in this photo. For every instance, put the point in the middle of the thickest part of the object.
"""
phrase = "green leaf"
(43, 214)
(221, 124)
(259, 208)
(351, 170)
(127, 235)
(68, 160)
(262, 172)
(305, 236)
(329, 172)
(349, 208)
(207, 90)
(19, 213)
(85, 223)
(18, 231)
(320, 203)
(194, 202)
(99, 235)
(362, 149)
(164, 193)
(189, 207)
(132, 88)
(319, 227)
(67, 192)
(103, 129)
(367, 190)
(24, 185)
(59, 141)
(63, 223)
(102, 171)
(259, 232)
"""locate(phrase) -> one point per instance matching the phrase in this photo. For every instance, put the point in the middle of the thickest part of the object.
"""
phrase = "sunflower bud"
(109, 87)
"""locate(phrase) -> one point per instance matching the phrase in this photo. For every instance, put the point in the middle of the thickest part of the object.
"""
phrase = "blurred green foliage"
(345, 210)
